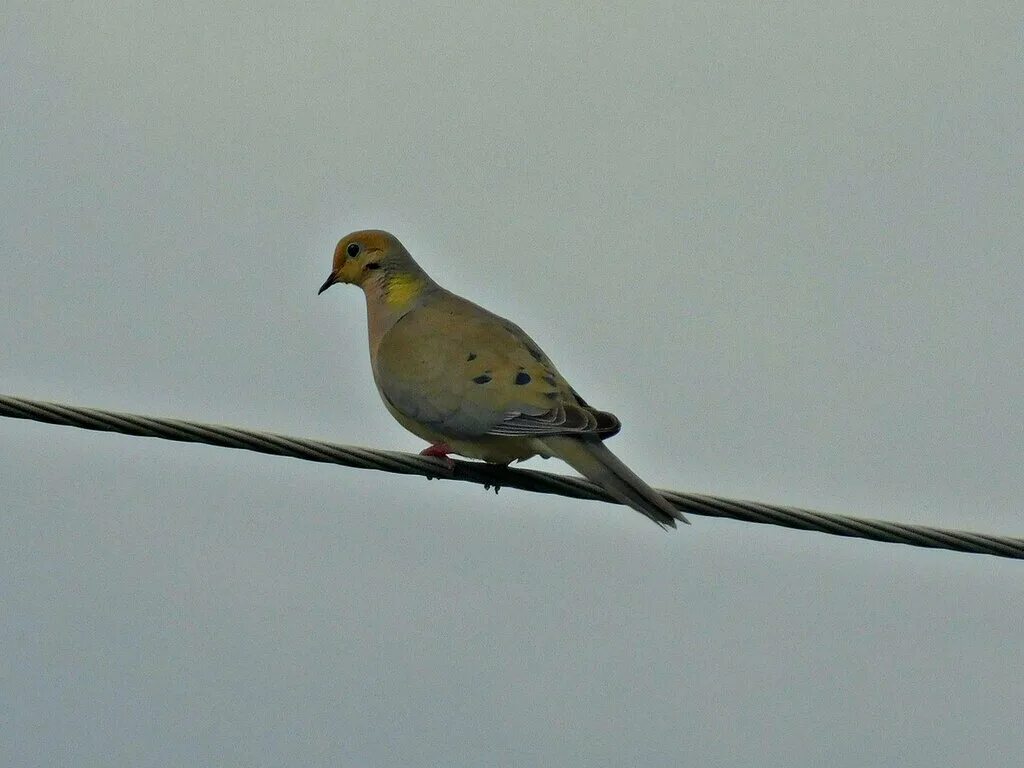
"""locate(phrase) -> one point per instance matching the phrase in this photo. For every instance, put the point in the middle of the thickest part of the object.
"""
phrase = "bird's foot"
(440, 451)
(495, 486)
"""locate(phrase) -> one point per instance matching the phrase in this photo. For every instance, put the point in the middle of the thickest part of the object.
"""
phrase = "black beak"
(331, 280)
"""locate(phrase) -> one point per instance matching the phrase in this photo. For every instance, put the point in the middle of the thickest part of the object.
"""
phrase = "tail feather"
(594, 461)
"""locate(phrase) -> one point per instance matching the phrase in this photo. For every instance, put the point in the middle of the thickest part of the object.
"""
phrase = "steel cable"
(496, 476)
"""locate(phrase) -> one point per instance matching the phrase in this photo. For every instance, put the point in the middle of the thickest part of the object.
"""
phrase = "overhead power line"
(491, 475)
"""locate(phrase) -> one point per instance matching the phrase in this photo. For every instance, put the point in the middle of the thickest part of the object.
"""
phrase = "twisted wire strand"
(491, 475)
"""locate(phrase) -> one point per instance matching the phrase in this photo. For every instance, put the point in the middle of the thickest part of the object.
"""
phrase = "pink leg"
(441, 451)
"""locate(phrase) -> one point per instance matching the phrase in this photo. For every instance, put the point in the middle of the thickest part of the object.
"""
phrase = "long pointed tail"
(595, 462)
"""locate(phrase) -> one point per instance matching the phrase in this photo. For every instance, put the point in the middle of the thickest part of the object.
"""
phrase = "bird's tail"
(594, 461)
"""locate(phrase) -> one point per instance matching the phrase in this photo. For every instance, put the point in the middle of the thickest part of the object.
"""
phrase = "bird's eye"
(353, 249)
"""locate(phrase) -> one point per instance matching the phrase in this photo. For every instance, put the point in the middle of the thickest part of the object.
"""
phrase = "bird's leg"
(441, 451)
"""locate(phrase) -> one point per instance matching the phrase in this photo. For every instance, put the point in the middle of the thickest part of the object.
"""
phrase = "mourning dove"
(472, 383)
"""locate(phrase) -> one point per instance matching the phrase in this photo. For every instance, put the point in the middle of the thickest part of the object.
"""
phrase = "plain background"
(783, 242)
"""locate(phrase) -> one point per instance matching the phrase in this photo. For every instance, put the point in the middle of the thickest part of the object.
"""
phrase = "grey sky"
(782, 242)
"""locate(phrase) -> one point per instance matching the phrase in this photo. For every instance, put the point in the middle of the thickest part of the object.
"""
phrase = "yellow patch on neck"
(400, 289)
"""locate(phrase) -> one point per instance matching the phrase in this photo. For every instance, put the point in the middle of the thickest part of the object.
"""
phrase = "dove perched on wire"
(472, 383)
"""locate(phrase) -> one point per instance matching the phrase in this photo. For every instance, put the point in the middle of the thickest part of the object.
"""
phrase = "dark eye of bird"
(352, 250)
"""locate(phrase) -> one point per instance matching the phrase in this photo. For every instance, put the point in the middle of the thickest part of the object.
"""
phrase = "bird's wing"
(464, 372)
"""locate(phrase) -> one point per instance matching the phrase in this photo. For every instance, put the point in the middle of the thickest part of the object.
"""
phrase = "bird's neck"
(392, 294)
(401, 289)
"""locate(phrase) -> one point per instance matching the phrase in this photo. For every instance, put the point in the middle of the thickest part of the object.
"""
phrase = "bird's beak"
(331, 280)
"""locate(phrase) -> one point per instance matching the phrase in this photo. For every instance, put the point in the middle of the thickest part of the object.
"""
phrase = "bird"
(472, 383)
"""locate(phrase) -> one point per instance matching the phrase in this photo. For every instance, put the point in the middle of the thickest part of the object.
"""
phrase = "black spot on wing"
(483, 378)
(471, 357)
(523, 378)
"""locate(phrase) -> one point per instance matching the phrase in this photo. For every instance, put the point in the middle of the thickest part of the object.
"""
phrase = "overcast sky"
(782, 242)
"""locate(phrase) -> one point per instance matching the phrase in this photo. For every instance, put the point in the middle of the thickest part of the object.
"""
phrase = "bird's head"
(363, 256)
